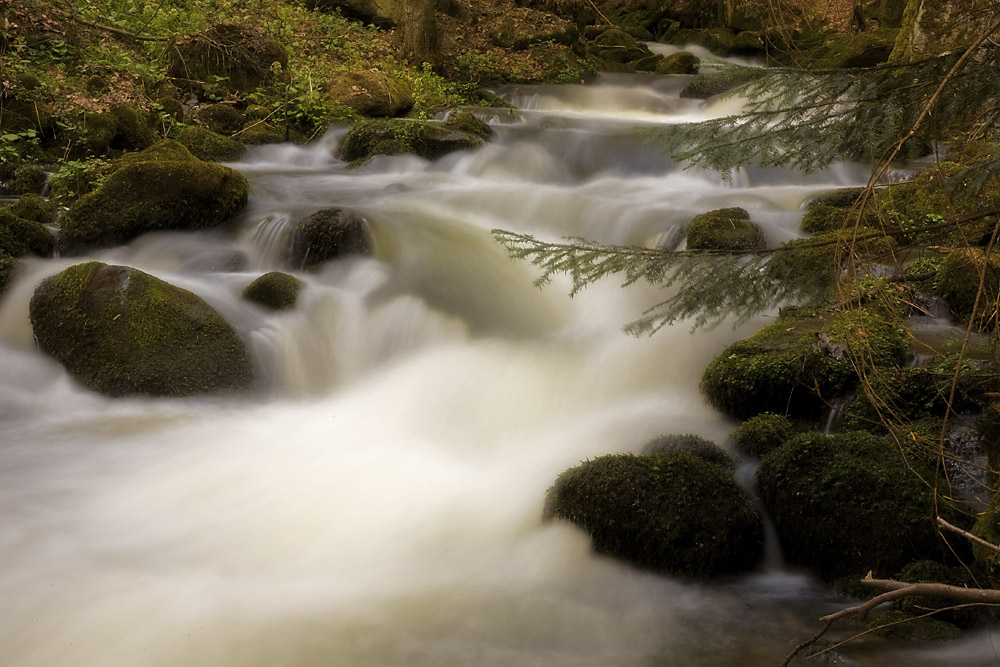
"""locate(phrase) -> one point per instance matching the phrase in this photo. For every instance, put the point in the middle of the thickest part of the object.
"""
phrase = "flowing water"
(376, 502)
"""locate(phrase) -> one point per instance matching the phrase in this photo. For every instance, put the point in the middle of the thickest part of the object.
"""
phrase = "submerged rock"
(120, 331)
(671, 512)
(274, 290)
(328, 234)
(161, 188)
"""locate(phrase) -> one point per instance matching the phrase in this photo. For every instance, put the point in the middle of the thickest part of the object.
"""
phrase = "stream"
(377, 500)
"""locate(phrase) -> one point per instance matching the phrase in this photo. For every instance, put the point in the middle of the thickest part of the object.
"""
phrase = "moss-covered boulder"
(222, 119)
(799, 362)
(688, 443)
(397, 137)
(959, 278)
(371, 93)
(617, 46)
(35, 208)
(164, 188)
(328, 234)
(760, 434)
(209, 146)
(20, 236)
(848, 504)
(274, 290)
(704, 87)
(724, 229)
(242, 56)
(259, 134)
(122, 128)
(681, 62)
(822, 218)
(672, 512)
(120, 331)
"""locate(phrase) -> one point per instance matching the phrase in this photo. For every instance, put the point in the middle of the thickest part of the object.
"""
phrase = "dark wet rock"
(328, 234)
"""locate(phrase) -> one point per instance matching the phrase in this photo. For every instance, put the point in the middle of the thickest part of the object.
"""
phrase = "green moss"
(959, 279)
(923, 391)
(798, 363)
(274, 290)
(825, 219)
(689, 443)
(172, 107)
(724, 229)
(328, 234)
(209, 146)
(762, 433)
(988, 528)
(19, 236)
(847, 504)
(35, 208)
(152, 194)
(667, 512)
(394, 137)
(120, 331)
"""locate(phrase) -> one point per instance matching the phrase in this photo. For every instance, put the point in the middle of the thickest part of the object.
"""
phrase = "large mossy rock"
(671, 512)
(724, 229)
(242, 56)
(328, 234)
(617, 46)
(371, 93)
(397, 137)
(35, 208)
(162, 188)
(274, 290)
(120, 331)
(121, 128)
(798, 363)
(848, 504)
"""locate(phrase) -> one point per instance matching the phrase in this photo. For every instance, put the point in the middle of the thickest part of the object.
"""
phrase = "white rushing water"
(376, 502)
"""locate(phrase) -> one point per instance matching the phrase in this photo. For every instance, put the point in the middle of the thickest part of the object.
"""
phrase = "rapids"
(376, 502)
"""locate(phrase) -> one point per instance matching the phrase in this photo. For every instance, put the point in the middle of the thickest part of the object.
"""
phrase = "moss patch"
(760, 434)
(209, 146)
